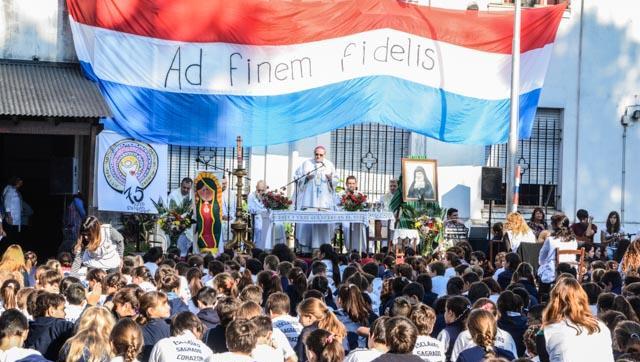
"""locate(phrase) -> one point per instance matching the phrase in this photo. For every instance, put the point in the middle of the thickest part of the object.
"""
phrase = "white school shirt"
(563, 345)
(363, 355)
(16, 353)
(263, 352)
(516, 240)
(464, 341)
(547, 257)
(232, 357)
(288, 325)
(281, 343)
(185, 347)
(429, 349)
(439, 285)
(73, 312)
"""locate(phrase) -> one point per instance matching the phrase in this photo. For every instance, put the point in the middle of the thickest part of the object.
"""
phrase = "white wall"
(35, 28)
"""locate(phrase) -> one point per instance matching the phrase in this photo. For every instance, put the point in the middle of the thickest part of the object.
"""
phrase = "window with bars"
(185, 161)
(538, 157)
(372, 153)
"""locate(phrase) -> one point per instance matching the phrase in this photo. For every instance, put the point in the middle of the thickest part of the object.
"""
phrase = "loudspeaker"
(491, 183)
(63, 174)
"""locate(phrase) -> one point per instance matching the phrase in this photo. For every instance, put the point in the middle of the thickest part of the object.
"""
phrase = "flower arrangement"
(274, 200)
(431, 230)
(175, 219)
(353, 201)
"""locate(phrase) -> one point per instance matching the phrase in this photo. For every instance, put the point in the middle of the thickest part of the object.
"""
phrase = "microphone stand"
(295, 180)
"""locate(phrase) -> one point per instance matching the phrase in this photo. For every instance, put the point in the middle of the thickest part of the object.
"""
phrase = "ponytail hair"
(329, 253)
(149, 300)
(8, 293)
(326, 346)
(459, 306)
(326, 319)
(353, 304)
(483, 327)
(126, 339)
(143, 273)
(298, 280)
(270, 283)
(561, 227)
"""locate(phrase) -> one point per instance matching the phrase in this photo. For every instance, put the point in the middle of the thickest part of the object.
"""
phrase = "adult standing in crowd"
(352, 234)
(12, 201)
(178, 196)
(562, 238)
(315, 190)
(74, 215)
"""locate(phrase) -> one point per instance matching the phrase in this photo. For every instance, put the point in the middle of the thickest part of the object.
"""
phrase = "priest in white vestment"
(354, 234)
(315, 191)
(178, 196)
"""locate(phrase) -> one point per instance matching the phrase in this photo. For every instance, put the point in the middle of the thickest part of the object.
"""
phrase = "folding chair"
(578, 259)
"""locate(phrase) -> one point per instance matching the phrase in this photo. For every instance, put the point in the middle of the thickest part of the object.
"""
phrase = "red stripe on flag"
(279, 22)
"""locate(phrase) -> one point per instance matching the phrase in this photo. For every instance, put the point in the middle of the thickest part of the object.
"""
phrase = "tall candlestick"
(239, 148)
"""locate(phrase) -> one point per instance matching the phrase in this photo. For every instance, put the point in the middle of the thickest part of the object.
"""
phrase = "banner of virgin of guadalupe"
(208, 212)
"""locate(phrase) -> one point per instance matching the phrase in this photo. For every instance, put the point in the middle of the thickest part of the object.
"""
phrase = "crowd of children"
(272, 307)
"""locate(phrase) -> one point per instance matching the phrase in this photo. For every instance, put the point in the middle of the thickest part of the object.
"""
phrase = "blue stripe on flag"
(215, 120)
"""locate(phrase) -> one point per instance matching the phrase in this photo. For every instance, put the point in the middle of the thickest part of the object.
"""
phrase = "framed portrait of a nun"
(419, 180)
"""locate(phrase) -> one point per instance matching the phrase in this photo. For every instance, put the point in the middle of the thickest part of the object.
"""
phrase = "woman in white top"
(562, 238)
(98, 246)
(516, 231)
(571, 332)
(185, 344)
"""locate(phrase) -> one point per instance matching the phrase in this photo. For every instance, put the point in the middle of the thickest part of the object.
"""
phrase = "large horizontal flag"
(193, 72)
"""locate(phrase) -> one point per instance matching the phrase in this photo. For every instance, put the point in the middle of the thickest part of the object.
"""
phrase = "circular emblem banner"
(130, 158)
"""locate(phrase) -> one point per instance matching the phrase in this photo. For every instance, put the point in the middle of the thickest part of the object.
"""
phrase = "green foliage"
(411, 211)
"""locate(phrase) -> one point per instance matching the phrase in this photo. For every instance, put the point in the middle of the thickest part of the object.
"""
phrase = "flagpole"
(515, 110)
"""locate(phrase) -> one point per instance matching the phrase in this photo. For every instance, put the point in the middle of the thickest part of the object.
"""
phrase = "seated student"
(206, 300)
(250, 310)
(76, 302)
(511, 318)
(429, 296)
(314, 314)
(354, 313)
(456, 311)
(483, 327)
(252, 293)
(477, 291)
(426, 347)
(626, 341)
(152, 259)
(226, 308)
(451, 261)
(169, 283)
(142, 277)
(185, 343)
(401, 339)
(503, 338)
(264, 349)
(126, 303)
(499, 262)
(439, 282)
(49, 330)
(154, 310)
(612, 281)
(49, 281)
(455, 286)
(277, 308)
(377, 343)
(531, 343)
(323, 346)
(14, 329)
(512, 261)
(569, 326)
(241, 341)
(296, 287)
(526, 276)
(126, 341)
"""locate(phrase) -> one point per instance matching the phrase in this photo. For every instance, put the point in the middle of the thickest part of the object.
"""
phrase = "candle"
(239, 148)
